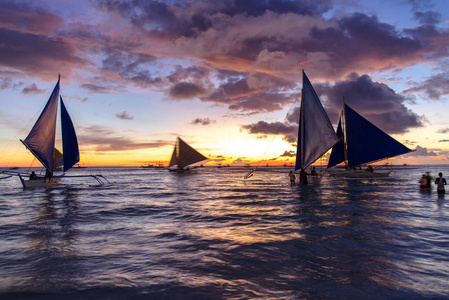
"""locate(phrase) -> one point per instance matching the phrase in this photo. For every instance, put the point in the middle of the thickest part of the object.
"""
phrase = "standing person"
(292, 178)
(303, 176)
(48, 174)
(423, 182)
(314, 173)
(429, 180)
(440, 182)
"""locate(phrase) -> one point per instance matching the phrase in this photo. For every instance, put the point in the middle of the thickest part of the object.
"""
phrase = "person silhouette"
(440, 182)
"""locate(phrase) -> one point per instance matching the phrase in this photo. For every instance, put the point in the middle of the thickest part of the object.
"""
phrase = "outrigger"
(41, 143)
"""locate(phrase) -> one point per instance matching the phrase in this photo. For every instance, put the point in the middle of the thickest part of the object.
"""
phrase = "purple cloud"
(124, 116)
(435, 87)
(32, 89)
(202, 121)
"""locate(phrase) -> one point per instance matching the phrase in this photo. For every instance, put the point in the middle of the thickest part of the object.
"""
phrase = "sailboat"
(316, 135)
(361, 142)
(41, 143)
(183, 156)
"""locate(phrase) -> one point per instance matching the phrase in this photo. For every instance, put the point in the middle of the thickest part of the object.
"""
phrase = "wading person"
(292, 178)
(303, 176)
(440, 182)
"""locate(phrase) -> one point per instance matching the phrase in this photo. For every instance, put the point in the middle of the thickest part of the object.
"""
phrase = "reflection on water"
(212, 235)
(53, 265)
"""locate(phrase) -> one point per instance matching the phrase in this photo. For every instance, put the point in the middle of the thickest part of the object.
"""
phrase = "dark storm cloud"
(250, 51)
(131, 66)
(435, 87)
(237, 28)
(377, 102)
(189, 18)
(252, 93)
(186, 90)
(276, 128)
(23, 16)
(257, 7)
(36, 53)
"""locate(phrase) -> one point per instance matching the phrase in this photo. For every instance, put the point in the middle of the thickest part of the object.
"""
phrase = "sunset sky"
(223, 75)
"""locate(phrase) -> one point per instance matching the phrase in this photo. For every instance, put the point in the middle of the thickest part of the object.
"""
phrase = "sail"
(69, 140)
(173, 159)
(41, 139)
(316, 134)
(365, 142)
(338, 151)
(184, 155)
(57, 159)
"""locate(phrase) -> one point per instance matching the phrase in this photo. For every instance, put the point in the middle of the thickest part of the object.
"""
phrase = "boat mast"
(302, 127)
(343, 127)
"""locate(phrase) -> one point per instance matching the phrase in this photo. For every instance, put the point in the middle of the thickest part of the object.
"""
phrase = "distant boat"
(361, 142)
(316, 134)
(151, 166)
(183, 156)
(41, 143)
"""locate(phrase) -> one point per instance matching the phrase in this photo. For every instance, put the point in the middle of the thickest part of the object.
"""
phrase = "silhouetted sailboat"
(361, 142)
(183, 156)
(316, 134)
(41, 143)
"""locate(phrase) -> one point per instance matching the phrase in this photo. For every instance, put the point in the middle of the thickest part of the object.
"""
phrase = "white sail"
(41, 139)
(316, 134)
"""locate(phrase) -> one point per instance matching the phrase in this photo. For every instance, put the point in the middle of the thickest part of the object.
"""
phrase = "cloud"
(37, 54)
(421, 152)
(288, 154)
(254, 92)
(373, 100)
(202, 121)
(443, 141)
(23, 16)
(105, 140)
(443, 130)
(289, 132)
(186, 90)
(377, 102)
(434, 88)
(32, 89)
(124, 116)
(240, 161)
(246, 55)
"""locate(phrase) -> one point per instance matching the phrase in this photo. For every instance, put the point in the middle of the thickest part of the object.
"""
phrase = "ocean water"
(210, 234)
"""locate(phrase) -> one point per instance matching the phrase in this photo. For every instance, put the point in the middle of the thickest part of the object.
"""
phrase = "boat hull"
(360, 174)
(39, 183)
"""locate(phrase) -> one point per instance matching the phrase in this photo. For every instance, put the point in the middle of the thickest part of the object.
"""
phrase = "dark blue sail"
(338, 151)
(70, 148)
(41, 139)
(365, 142)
